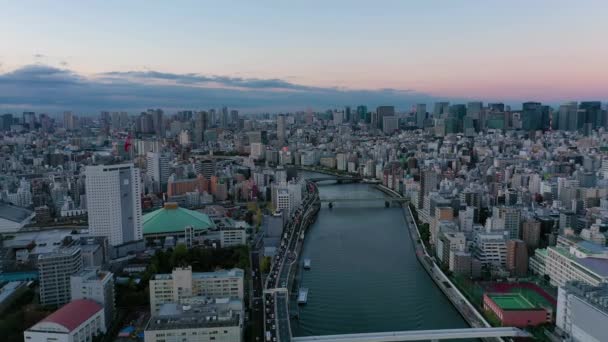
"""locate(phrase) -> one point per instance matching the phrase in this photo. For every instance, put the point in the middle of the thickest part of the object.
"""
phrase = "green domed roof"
(173, 219)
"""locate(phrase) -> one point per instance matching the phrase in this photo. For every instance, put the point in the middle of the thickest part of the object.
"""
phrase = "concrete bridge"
(418, 335)
(338, 179)
(386, 199)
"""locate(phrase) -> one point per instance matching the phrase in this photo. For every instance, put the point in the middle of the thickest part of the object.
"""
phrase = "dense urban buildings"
(512, 203)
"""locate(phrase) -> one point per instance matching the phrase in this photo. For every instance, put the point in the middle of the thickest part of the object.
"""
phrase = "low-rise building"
(217, 321)
(97, 285)
(584, 261)
(77, 321)
(183, 283)
(514, 310)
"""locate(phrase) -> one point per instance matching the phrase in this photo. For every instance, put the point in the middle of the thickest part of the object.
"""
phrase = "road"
(257, 305)
(276, 294)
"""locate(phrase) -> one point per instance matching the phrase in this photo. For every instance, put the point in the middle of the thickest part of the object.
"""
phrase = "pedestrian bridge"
(418, 335)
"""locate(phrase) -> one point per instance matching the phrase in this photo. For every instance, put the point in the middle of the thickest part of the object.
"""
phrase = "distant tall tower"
(157, 122)
(114, 202)
(474, 109)
(158, 168)
(420, 115)
(234, 117)
(440, 109)
(200, 125)
(281, 130)
(383, 111)
(224, 117)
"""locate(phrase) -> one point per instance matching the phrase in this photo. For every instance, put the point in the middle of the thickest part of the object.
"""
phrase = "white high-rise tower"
(114, 202)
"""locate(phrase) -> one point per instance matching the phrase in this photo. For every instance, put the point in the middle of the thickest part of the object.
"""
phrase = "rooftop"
(73, 314)
(175, 316)
(13, 213)
(173, 219)
(511, 301)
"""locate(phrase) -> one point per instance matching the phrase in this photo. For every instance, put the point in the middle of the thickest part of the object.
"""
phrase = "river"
(365, 276)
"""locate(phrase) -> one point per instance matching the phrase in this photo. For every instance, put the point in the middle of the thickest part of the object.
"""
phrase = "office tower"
(440, 109)
(390, 124)
(362, 113)
(158, 125)
(566, 117)
(531, 116)
(29, 119)
(54, 272)
(582, 312)
(70, 121)
(97, 285)
(114, 202)
(381, 112)
(7, 122)
(182, 283)
(281, 130)
(594, 117)
(200, 125)
(496, 107)
(517, 258)
(420, 115)
(338, 117)
(474, 109)
(212, 117)
(158, 168)
(234, 117)
(348, 115)
(224, 117)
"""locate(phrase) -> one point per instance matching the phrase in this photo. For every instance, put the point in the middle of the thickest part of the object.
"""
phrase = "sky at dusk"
(289, 55)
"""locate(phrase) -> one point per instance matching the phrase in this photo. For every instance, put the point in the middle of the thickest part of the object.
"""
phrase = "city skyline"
(276, 58)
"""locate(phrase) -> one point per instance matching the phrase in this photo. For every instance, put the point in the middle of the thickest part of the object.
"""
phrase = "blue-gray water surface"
(365, 276)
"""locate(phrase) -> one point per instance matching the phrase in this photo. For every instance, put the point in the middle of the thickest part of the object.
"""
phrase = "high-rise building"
(566, 117)
(474, 110)
(582, 312)
(390, 124)
(281, 129)
(440, 109)
(183, 283)
(517, 258)
(348, 115)
(420, 115)
(234, 117)
(97, 285)
(158, 125)
(381, 112)
(200, 125)
(158, 168)
(54, 272)
(114, 202)
(224, 117)
(531, 116)
(7, 122)
(362, 113)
